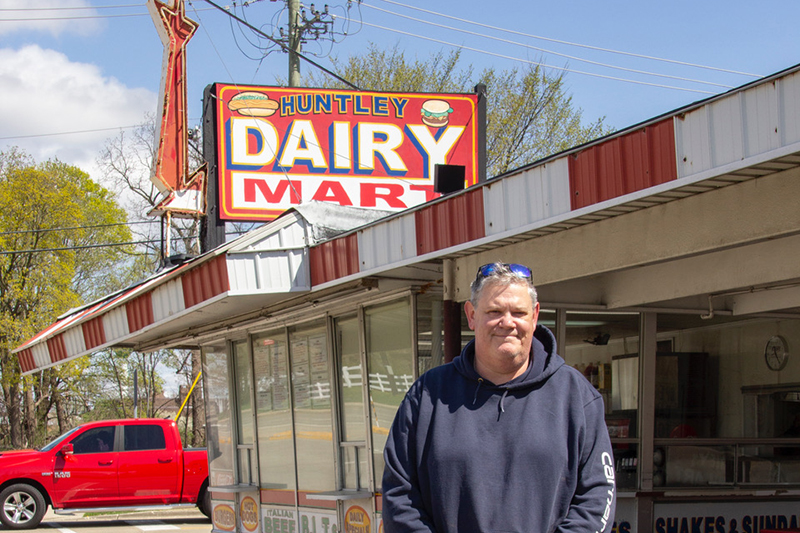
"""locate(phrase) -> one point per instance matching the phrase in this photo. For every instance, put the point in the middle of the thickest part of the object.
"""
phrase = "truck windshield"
(52, 444)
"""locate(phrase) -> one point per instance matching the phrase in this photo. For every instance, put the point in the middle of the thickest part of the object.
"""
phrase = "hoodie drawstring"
(475, 399)
(502, 399)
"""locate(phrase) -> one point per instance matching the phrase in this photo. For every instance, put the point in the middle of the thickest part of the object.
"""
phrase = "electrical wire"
(67, 133)
(69, 8)
(47, 19)
(590, 47)
(537, 63)
(81, 247)
(283, 46)
(87, 17)
(507, 41)
(23, 232)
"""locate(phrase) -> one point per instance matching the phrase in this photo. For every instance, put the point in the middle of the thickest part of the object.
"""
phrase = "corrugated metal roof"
(271, 260)
(744, 134)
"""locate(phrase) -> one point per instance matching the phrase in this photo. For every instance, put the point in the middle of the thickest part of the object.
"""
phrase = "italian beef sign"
(278, 147)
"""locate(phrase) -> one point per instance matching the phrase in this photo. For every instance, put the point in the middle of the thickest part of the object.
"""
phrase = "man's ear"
(469, 310)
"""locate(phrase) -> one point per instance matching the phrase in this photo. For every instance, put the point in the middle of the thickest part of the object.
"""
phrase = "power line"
(83, 247)
(66, 133)
(73, 8)
(282, 45)
(507, 41)
(590, 47)
(77, 17)
(47, 230)
(88, 17)
(536, 62)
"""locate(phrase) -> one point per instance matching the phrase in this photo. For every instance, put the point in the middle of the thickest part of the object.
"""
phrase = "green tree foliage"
(53, 218)
(530, 115)
(126, 163)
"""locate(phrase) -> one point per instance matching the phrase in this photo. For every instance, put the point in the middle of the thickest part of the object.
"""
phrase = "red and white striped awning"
(747, 133)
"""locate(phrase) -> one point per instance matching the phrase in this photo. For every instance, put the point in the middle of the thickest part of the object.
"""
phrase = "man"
(506, 437)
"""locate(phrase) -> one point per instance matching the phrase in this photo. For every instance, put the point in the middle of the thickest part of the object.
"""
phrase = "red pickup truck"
(103, 465)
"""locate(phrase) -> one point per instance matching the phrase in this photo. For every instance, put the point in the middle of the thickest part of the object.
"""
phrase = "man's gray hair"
(500, 274)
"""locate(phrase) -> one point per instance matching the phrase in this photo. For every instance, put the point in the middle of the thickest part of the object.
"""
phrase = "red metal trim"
(26, 361)
(304, 501)
(206, 281)
(334, 259)
(57, 349)
(228, 496)
(455, 221)
(94, 334)
(139, 312)
(622, 165)
(278, 496)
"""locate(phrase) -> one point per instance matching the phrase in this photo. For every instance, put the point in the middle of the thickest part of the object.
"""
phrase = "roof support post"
(452, 313)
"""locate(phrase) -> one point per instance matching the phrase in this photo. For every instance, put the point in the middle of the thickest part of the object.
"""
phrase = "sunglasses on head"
(520, 270)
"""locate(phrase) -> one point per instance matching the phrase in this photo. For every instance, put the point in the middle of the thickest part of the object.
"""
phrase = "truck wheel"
(23, 507)
(204, 503)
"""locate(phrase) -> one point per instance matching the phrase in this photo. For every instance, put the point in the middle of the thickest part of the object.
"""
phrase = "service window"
(390, 360)
(219, 424)
(273, 410)
(147, 437)
(96, 440)
(311, 390)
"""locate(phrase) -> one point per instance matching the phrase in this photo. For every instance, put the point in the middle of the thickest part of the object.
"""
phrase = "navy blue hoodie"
(530, 455)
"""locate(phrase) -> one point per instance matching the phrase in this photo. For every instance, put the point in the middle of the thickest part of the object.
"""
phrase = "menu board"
(310, 373)
(280, 374)
(320, 381)
(301, 378)
(269, 362)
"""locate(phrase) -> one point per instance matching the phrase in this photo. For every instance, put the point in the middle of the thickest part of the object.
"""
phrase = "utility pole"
(302, 29)
(295, 42)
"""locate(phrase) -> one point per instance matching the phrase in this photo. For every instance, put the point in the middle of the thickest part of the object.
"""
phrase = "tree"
(529, 113)
(127, 162)
(53, 223)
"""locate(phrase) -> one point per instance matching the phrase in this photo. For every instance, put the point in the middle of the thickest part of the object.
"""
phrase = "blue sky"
(93, 70)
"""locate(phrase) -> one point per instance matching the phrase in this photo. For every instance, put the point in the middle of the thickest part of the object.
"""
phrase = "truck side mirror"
(67, 450)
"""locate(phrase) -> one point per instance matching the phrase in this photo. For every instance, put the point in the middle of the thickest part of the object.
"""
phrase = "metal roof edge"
(568, 215)
(578, 148)
(650, 121)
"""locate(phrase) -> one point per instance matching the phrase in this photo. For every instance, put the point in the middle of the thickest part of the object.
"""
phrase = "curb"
(193, 514)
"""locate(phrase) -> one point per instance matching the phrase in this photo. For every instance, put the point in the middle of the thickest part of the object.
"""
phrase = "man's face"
(503, 320)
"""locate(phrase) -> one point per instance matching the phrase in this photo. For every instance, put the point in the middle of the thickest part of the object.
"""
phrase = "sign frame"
(389, 124)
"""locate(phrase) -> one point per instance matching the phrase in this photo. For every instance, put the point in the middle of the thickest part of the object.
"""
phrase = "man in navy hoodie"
(506, 438)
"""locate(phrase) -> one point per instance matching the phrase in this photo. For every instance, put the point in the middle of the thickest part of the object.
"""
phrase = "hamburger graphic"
(436, 113)
(253, 104)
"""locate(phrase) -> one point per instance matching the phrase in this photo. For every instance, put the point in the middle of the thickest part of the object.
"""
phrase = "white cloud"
(50, 16)
(44, 93)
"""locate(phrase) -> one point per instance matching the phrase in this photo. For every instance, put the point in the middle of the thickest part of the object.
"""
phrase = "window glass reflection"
(390, 359)
(218, 416)
(271, 376)
(311, 387)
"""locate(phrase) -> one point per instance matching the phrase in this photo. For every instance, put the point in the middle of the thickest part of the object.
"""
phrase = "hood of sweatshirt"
(544, 361)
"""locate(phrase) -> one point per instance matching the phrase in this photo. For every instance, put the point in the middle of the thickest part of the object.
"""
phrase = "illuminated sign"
(278, 147)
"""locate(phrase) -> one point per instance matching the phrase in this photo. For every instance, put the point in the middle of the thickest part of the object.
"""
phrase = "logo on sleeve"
(608, 470)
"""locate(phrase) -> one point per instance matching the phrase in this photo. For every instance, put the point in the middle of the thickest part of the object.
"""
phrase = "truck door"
(149, 466)
(88, 477)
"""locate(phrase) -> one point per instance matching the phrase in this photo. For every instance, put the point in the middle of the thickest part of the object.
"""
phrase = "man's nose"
(506, 320)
